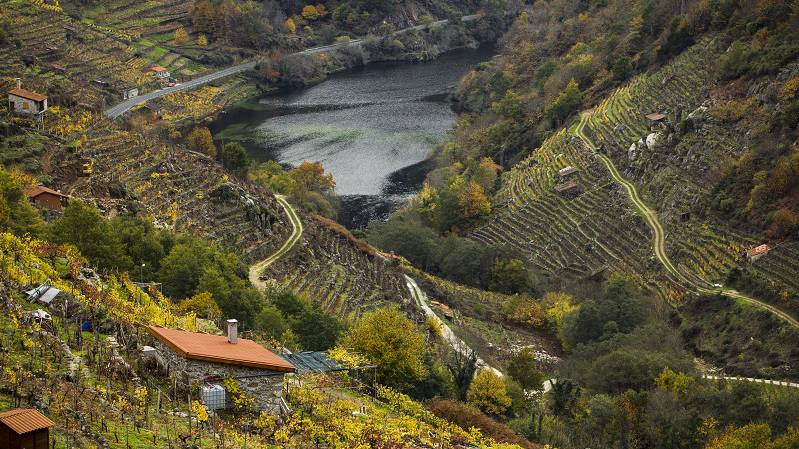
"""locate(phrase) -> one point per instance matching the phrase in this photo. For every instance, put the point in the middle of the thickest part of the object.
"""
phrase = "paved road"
(659, 242)
(457, 344)
(126, 105)
(296, 233)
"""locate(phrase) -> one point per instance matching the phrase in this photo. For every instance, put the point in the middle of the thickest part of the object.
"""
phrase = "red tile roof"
(27, 94)
(24, 420)
(215, 348)
(158, 69)
(33, 192)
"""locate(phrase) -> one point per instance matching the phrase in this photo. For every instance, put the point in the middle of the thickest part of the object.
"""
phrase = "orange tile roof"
(24, 420)
(758, 250)
(656, 116)
(27, 94)
(33, 192)
(158, 69)
(215, 348)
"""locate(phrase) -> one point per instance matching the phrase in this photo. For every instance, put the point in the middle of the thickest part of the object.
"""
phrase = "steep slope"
(596, 227)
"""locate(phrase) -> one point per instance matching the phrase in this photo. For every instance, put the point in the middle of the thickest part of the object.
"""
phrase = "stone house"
(23, 101)
(160, 72)
(197, 358)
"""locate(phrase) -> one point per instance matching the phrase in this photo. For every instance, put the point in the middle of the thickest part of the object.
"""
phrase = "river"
(373, 128)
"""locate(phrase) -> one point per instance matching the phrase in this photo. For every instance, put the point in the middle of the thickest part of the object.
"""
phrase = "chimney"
(19, 83)
(232, 331)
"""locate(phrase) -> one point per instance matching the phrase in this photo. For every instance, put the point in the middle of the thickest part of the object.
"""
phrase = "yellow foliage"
(309, 12)
(181, 36)
(291, 25)
(199, 411)
(489, 393)
(790, 89)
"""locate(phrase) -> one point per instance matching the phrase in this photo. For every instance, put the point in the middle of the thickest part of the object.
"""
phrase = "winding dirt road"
(296, 233)
(696, 284)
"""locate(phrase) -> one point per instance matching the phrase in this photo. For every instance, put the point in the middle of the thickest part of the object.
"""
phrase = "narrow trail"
(420, 297)
(778, 383)
(696, 284)
(296, 233)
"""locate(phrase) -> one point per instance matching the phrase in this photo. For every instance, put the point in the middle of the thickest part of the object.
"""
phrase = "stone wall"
(265, 386)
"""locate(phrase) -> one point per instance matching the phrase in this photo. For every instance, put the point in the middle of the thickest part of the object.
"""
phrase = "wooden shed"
(24, 429)
(46, 198)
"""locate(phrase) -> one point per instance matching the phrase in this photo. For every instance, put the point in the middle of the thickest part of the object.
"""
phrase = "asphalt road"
(123, 107)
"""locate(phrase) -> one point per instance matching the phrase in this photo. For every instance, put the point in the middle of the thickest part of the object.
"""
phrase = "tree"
(202, 40)
(523, 368)
(563, 397)
(509, 276)
(751, 436)
(181, 36)
(270, 321)
(203, 305)
(201, 140)
(784, 222)
(565, 104)
(235, 157)
(311, 177)
(488, 393)
(309, 12)
(463, 365)
(291, 25)
(273, 176)
(83, 226)
(316, 330)
(392, 342)
(143, 243)
(473, 201)
(16, 213)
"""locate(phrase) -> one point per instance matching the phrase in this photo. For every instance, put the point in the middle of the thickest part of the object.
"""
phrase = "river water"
(372, 128)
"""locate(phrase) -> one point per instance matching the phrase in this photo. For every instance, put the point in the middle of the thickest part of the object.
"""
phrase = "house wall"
(48, 201)
(24, 105)
(265, 386)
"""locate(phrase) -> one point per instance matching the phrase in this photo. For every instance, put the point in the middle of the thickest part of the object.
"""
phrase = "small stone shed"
(198, 358)
(24, 429)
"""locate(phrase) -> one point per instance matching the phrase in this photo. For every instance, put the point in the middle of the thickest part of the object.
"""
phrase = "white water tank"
(213, 396)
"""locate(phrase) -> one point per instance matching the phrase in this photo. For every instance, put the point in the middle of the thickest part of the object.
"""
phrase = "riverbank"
(373, 127)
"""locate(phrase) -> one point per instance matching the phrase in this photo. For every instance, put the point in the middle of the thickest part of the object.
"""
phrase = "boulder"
(698, 114)
(652, 140)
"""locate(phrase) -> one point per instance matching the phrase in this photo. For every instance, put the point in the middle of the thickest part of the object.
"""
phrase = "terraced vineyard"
(568, 237)
(181, 190)
(597, 228)
(189, 192)
(332, 271)
(674, 177)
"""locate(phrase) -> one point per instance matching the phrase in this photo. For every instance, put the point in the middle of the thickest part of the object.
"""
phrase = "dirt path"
(296, 233)
(659, 241)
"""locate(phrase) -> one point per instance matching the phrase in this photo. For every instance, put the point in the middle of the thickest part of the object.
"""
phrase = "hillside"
(602, 254)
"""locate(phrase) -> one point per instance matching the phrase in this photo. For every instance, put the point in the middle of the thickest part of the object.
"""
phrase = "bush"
(489, 393)
(468, 417)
